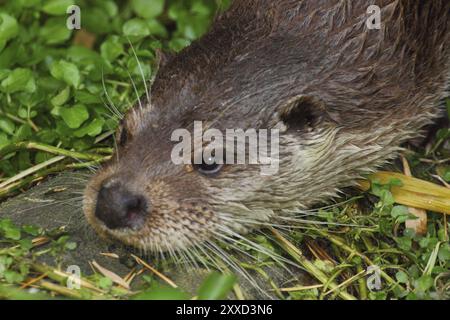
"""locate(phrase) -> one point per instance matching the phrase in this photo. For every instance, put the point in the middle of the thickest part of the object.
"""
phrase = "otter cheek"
(118, 208)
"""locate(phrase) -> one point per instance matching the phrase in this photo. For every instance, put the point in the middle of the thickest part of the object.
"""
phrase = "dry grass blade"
(341, 244)
(159, 274)
(346, 282)
(447, 185)
(33, 281)
(31, 170)
(308, 265)
(109, 255)
(36, 242)
(71, 293)
(111, 275)
(238, 292)
(83, 282)
(319, 253)
(39, 241)
(64, 291)
(132, 275)
(301, 288)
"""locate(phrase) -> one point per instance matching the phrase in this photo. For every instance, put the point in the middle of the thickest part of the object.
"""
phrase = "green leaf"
(402, 277)
(23, 132)
(19, 79)
(136, 28)
(404, 243)
(66, 71)
(9, 230)
(61, 97)
(177, 44)
(4, 141)
(148, 8)
(41, 157)
(156, 28)
(447, 175)
(201, 8)
(109, 7)
(70, 245)
(386, 197)
(216, 286)
(7, 125)
(424, 283)
(96, 20)
(8, 29)
(424, 242)
(12, 276)
(13, 234)
(55, 31)
(47, 136)
(444, 253)
(87, 98)
(4, 73)
(74, 116)
(31, 230)
(26, 244)
(111, 49)
(136, 69)
(400, 213)
(93, 129)
(105, 283)
(83, 56)
(57, 7)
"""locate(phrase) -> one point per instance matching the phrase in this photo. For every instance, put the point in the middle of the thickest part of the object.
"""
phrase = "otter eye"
(209, 167)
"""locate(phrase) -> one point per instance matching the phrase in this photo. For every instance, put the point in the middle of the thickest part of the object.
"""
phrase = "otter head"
(225, 81)
(145, 199)
(264, 65)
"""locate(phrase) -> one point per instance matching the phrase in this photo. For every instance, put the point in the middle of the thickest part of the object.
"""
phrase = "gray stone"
(57, 203)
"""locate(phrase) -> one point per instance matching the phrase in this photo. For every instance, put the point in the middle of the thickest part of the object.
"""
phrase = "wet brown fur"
(374, 90)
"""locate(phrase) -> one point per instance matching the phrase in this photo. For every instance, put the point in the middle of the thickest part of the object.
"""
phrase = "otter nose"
(118, 208)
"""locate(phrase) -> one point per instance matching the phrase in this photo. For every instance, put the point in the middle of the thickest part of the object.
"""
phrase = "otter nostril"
(135, 206)
(117, 207)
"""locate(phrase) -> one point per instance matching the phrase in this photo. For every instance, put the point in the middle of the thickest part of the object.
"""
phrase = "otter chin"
(344, 98)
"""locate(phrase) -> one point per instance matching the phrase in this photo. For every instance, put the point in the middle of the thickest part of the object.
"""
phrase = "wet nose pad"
(118, 208)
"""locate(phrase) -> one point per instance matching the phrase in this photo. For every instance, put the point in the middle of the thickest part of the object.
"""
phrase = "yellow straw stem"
(413, 192)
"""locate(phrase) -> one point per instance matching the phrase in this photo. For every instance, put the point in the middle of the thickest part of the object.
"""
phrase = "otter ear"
(303, 114)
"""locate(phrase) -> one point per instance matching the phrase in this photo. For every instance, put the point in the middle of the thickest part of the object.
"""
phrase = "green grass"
(54, 99)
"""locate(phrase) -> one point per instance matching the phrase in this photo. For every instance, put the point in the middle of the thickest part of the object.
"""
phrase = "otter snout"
(117, 207)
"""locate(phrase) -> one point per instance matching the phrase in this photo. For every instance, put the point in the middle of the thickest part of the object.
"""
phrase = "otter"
(343, 96)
